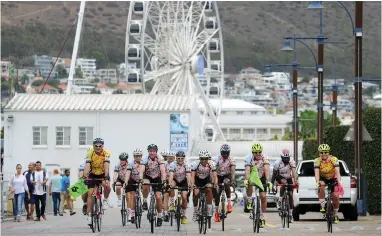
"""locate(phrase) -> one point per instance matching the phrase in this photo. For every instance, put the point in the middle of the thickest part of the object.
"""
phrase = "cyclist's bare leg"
(145, 191)
(106, 190)
(118, 187)
(336, 203)
(195, 197)
(184, 202)
(263, 198)
(89, 201)
(228, 192)
(85, 198)
(321, 194)
(249, 193)
(209, 197)
(166, 197)
(130, 200)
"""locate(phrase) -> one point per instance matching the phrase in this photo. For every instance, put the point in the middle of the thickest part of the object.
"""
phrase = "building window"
(235, 131)
(240, 112)
(40, 136)
(248, 131)
(62, 136)
(85, 135)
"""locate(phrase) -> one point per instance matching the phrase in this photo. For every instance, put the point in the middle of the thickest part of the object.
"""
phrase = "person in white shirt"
(18, 187)
(39, 179)
(55, 190)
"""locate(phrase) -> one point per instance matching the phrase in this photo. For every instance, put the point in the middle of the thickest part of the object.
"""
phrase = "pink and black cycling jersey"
(121, 170)
(223, 166)
(251, 161)
(152, 166)
(134, 168)
(180, 171)
(167, 167)
(284, 171)
(201, 171)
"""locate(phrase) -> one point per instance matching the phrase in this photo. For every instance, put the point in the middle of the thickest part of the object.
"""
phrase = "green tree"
(37, 82)
(118, 91)
(95, 91)
(61, 71)
(111, 85)
(24, 79)
(78, 73)
(305, 80)
(54, 82)
(101, 61)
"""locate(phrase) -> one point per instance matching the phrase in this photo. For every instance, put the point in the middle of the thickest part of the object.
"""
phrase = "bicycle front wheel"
(99, 215)
(123, 211)
(329, 215)
(222, 213)
(178, 214)
(152, 212)
(138, 212)
(94, 214)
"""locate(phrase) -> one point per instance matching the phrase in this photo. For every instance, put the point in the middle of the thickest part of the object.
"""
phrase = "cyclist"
(259, 161)
(283, 172)
(203, 173)
(327, 170)
(119, 175)
(225, 170)
(164, 154)
(180, 176)
(169, 194)
(152, 168)
(97, 167)
(133, 172)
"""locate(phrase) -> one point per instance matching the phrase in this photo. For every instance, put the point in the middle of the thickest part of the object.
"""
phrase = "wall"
(122, 132)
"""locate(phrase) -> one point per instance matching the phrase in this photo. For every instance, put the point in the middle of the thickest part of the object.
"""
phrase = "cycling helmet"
(225, 148)
(164, 153)
(98, 140)
(257, 147)
(324, 148)
(204, 154)
(171, 153)
(152, 146)
(123, 156)
(180, 154)
(285, 153)
(137, 152)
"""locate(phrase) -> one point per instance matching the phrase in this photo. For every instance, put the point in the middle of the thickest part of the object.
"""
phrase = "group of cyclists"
(170, 170)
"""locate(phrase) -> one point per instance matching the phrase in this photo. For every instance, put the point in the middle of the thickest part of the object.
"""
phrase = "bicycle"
(256, 207)
(329, 206)
(203, 219)
(123, 208)
(152, 213)
(222, 206)
(178, 214)
(97, 211)
(138, 206)
(284, 211)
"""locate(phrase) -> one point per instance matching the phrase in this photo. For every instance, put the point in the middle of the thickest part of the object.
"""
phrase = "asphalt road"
(237, 222)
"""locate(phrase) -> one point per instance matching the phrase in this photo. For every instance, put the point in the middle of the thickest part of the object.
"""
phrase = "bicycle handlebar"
(152, 184)
(178, 188)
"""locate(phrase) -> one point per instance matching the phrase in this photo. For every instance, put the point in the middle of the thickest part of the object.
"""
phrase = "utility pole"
(359, 162)
(320, 77)
(335, 94)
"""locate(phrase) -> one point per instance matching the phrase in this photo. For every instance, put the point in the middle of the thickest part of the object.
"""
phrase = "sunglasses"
(324, 153)
(203, 159)
(225, 153)
(256, 152)
(98, 146)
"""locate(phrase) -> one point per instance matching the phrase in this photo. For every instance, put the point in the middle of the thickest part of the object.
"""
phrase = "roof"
(99, 102)
(233, 104)
(255, 120)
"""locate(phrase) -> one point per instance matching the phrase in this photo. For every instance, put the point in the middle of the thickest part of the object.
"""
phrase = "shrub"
(309, 149)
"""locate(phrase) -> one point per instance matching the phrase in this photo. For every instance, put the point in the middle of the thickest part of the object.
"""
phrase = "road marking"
(236, 230)
(270, 225)
(283, 229)
(358, 228)
(379, 228)
(306, 228)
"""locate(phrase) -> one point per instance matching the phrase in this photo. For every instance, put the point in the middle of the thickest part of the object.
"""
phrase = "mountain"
(253, 32)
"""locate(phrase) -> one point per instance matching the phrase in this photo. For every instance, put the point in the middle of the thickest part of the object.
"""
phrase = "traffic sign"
(350, 134)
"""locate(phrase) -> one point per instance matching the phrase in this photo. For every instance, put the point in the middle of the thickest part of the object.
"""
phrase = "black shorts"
(202, 182)
(222, 177)
(279, 178)
(130, 187)
(182, 184)
(329, 181)
(156, 188)
(264, 182)
(93, 183)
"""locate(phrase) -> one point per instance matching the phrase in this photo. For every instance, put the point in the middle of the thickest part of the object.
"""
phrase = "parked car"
(306, 199)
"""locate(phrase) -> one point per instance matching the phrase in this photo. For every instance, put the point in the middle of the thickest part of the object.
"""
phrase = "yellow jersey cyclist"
(180, 176)
(327, 170)
(168, 194)
(225, 170)
(131, 178)
(152, 169)
(261, 162)
(119, 175)
(203, 174)
(96, 168)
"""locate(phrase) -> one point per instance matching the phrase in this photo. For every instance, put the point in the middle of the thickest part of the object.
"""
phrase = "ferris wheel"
(179, 46)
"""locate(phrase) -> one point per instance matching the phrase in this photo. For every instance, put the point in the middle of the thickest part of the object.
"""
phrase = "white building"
(107, 76)
(58, 129)
(241, 120)
(88, 67)
(5, 65)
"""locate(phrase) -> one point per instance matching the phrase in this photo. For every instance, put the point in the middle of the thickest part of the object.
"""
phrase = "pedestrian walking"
(18, 188)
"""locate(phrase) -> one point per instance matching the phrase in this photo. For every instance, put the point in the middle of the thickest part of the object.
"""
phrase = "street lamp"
(358, 138)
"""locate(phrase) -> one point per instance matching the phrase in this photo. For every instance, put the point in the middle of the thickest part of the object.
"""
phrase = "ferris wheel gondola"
(166, 40)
